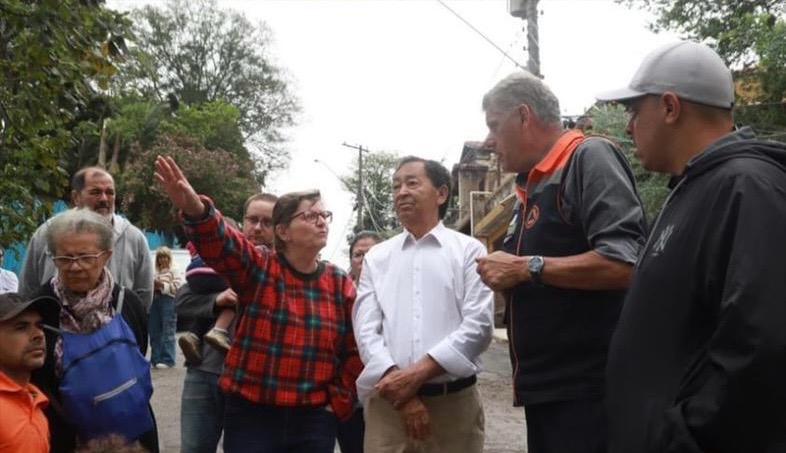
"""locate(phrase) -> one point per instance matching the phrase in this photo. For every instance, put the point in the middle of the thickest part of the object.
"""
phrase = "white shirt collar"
(437, 234)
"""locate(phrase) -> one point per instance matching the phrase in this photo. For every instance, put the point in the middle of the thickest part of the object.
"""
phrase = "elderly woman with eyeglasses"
(290, 373)
(89, 318)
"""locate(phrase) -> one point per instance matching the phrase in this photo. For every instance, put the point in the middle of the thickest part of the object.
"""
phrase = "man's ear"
(672, 107)
(524, 113)
(443, 195)
(74, 198)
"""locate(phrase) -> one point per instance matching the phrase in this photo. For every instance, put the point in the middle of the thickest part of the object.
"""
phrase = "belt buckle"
(445, 388)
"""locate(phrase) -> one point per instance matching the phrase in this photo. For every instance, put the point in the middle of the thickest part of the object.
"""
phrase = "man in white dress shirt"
(422, 318)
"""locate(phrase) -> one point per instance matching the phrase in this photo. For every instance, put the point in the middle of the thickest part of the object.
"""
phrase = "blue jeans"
(161, 327)
(256, 428)
(201, 412)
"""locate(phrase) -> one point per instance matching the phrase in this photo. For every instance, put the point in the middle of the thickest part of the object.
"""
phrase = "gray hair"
(524, 88)
(77, 221)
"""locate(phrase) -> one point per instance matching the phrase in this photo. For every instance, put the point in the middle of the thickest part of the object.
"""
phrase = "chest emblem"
(532, 217)
(663, 239)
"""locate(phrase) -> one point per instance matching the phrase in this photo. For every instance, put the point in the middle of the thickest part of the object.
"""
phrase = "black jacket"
(63, 435)
(698, 360)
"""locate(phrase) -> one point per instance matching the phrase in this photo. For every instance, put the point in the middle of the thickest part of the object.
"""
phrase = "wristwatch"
(535, 267)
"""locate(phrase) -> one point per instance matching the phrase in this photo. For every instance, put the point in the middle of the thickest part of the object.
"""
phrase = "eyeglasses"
(82, 261)
(311, 216)
(263, 221)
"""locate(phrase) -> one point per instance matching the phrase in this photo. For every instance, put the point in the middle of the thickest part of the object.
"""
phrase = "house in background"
(484, 198)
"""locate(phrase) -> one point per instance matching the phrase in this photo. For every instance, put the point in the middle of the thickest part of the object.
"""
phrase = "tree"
(200, 54)
(750, 35)
(377, 190)
(610, 121)
(54, 57)
(207, 137)
(219, 174)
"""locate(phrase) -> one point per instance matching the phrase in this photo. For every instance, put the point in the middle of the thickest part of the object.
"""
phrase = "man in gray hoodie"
(131, 266)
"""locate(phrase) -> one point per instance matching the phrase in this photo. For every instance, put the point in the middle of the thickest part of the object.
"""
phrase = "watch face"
(535, 264)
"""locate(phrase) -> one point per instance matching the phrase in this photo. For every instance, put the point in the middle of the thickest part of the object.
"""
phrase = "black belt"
(447, 387)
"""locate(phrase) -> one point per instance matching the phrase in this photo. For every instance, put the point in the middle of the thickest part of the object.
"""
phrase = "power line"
(370, 216)
(341, 241)
(481, 34)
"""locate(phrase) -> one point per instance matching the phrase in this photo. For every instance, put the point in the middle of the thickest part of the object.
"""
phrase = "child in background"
(205, 281)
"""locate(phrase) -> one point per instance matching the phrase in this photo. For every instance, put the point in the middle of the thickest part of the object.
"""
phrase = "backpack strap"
(120, 297)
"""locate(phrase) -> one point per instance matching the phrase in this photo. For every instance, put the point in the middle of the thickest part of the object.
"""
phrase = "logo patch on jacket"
(532, 217)
(663, 239)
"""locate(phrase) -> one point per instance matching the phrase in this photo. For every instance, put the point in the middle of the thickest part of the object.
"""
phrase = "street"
(504, 424)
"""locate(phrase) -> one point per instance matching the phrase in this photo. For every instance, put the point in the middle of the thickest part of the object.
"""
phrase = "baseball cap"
(12, 304)
(691, 70)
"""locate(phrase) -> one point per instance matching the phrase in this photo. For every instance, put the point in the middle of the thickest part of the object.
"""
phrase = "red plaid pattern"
(294, 344)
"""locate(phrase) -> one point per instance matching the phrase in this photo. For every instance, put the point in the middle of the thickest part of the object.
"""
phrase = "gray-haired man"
(568, 257)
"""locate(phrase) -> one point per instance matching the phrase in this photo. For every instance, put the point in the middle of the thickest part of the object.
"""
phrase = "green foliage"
(54, 54)
(378, 169)
(219, 174)
(206, 140)
(214, 124)
(610, 121)
(203, 54)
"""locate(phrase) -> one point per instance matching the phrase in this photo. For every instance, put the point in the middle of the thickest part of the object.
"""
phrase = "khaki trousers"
(457, 425)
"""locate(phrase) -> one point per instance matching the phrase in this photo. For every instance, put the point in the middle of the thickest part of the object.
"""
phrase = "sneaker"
(189, 344)
(162, 366)
(218, 338)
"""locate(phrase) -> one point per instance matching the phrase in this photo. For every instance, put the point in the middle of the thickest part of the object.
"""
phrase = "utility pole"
(528, 10)
(359, 195)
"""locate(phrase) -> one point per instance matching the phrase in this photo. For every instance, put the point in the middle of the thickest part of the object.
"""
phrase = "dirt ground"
(505, 428)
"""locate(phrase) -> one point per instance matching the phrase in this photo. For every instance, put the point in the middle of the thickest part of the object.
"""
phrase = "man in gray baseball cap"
(698, 360)
(12, 304)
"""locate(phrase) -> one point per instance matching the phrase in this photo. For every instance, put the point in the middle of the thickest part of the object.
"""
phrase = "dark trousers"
(256, 428)
(567, 427)
(350, 433)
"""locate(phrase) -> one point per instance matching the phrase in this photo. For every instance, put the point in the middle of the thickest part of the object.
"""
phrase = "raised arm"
(224, 249)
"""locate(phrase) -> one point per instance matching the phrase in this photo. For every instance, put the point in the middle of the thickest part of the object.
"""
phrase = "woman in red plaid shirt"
(290, 374)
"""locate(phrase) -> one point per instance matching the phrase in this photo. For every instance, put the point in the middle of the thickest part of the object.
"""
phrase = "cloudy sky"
(408, 76)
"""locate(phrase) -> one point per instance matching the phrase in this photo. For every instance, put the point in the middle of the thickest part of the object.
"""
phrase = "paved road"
(505, 428)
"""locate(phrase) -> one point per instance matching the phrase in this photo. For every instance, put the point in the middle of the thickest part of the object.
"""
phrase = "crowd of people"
(624, 336)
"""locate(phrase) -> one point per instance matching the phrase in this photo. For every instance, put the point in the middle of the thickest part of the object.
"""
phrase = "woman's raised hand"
(178, 188)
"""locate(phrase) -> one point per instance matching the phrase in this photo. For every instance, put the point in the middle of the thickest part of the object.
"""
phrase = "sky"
(408, 76)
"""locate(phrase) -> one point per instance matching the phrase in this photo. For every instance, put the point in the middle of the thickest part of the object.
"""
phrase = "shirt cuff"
(452, 361)
(372, 373)
(210, 210)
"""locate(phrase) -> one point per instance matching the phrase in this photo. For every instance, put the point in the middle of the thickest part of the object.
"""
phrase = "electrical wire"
(466, 22)
(370, 216)
(343, 235)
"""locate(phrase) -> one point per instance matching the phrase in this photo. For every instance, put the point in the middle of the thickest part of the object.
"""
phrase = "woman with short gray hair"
(80, 309)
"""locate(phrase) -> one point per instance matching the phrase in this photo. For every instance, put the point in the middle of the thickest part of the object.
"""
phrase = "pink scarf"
(83, 314)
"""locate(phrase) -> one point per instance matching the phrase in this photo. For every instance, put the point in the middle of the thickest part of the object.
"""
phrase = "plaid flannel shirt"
(294, 344)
